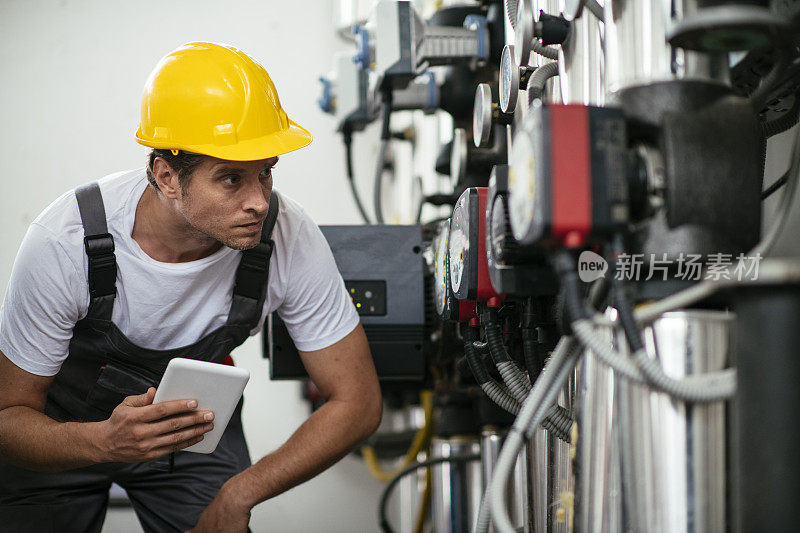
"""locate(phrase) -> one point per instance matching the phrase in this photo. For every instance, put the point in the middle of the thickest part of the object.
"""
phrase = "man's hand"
(139, 430)
(225, 514)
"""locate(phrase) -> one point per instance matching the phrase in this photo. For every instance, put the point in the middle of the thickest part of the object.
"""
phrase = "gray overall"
(102, 368)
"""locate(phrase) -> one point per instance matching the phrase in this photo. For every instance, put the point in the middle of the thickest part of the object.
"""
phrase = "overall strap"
(99, 246)
(250, 284)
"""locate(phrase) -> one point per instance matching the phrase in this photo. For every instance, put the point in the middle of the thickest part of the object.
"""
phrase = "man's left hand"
(224, 515)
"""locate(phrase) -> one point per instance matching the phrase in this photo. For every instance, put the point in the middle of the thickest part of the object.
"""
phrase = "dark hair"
(184, 163)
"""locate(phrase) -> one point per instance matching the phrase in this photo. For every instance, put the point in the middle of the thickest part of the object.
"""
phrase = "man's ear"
(166, 178)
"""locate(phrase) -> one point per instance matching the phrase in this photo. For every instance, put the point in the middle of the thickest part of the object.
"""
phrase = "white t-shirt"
(161, 305)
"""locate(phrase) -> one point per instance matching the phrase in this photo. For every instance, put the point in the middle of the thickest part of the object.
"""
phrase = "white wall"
(72, 74)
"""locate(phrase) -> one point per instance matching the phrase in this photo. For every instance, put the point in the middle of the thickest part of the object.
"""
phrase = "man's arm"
(345, 375)
(136, 431)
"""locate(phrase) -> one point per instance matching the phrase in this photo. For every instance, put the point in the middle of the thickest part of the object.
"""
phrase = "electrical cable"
(516, 381)
(422, 513)
(709, 387)
(382, 517)
(539, 79)
(545, 51)
(497, 393)
(782, 213)
(761, 93)
(347, 136)
(777, 184)
(511, 12)
(544, 392)
(557, 420)
(386, 113)
(419, 442)
(595, 8)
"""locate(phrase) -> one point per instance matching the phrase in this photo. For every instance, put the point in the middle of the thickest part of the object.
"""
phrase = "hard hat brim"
(281, 142)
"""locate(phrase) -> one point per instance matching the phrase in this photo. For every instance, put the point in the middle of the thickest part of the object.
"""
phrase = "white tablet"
(216, 388)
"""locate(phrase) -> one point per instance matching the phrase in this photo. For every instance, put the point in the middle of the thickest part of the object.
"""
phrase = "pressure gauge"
(513, 77)
(469, 272)
(458, 247)
(458, 156)
(446, 305)
(524, 32)
(486, 113)
(503, 246)
(440, 274)
(525, 199)
(513, 270)
(482, 115)
(568, 183)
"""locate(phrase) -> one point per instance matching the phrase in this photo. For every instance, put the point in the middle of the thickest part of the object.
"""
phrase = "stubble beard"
(210, 234)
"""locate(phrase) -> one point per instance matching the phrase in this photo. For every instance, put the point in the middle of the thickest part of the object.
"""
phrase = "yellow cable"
(420, 439)
(424, 504)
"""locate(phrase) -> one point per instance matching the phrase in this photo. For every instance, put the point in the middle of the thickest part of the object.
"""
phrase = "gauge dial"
(482, 115)
(524, 33)
(501, 241)
(440, 273)
(458, 245)
(509, 79)
(458, 156)
(524, 205)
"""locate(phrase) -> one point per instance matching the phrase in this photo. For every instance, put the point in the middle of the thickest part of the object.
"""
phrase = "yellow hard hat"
(215, 100)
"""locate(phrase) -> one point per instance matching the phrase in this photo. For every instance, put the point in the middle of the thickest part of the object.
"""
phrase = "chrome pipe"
(598, 483)
(456, 488)
(561, 482)
(538, 463)
(637, 52)
(674, 454)
(580, 63)
(492, 439)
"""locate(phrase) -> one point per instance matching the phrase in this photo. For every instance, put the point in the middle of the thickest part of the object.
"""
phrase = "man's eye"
(266, 174)
(231, 180)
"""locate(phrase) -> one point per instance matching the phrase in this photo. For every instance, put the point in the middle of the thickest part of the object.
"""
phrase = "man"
(183, 259)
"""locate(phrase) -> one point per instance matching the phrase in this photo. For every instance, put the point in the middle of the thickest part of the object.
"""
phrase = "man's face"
(228, 200)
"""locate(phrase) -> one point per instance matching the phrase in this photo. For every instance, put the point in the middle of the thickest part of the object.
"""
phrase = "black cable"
(386, 134)
(760, 95)
(557, 420)
(347, 136)
(564, 265)
(777, 184)
(482, 347)
(473, 358)
(384, 520)
(494, 337)
(621, 302)
(530, 340)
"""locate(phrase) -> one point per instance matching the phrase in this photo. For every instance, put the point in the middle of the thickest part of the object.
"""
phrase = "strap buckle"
(102, 264)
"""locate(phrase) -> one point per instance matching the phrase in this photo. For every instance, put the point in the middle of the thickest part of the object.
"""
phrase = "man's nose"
(257, 198)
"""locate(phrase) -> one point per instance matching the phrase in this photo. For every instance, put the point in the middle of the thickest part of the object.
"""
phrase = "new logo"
(591, 266)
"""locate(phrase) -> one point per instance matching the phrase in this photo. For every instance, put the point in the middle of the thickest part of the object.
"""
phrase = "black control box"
(382, 268)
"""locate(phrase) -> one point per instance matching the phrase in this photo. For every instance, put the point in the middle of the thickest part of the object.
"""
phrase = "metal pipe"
(673, 453)
(598, 476)
(517, 496)
(766, 421)
(637, 52)
(456, 491)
